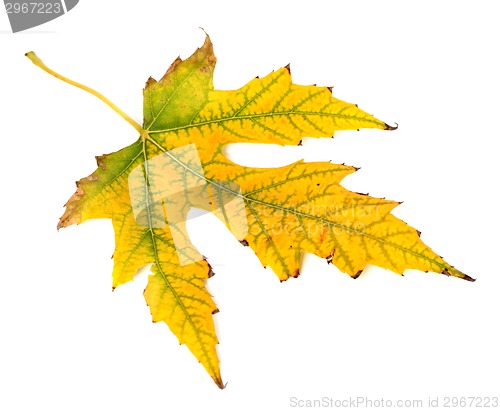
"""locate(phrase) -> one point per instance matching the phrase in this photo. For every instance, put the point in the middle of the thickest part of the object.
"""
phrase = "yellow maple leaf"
(178, 163)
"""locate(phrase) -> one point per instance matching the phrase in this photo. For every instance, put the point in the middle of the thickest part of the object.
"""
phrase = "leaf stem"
(39, 63)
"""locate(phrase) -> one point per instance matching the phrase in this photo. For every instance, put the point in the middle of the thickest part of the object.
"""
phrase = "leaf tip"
(203, 30)
(330, 257)
(150, 82)
(210, 272)
(388, 127)
(219, 383)
(287, 67)
(458, 274)
(357, 274)
(170, 70)
(468, 278)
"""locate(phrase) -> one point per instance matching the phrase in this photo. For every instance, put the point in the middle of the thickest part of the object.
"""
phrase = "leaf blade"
(294, 209)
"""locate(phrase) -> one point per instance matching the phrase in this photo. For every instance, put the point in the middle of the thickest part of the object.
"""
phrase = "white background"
(69, 343)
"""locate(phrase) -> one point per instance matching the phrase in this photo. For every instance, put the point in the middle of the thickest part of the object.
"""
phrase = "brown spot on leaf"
(244, 242)
(100, 162)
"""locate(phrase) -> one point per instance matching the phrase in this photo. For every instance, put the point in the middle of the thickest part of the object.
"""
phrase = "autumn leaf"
(177, 163)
